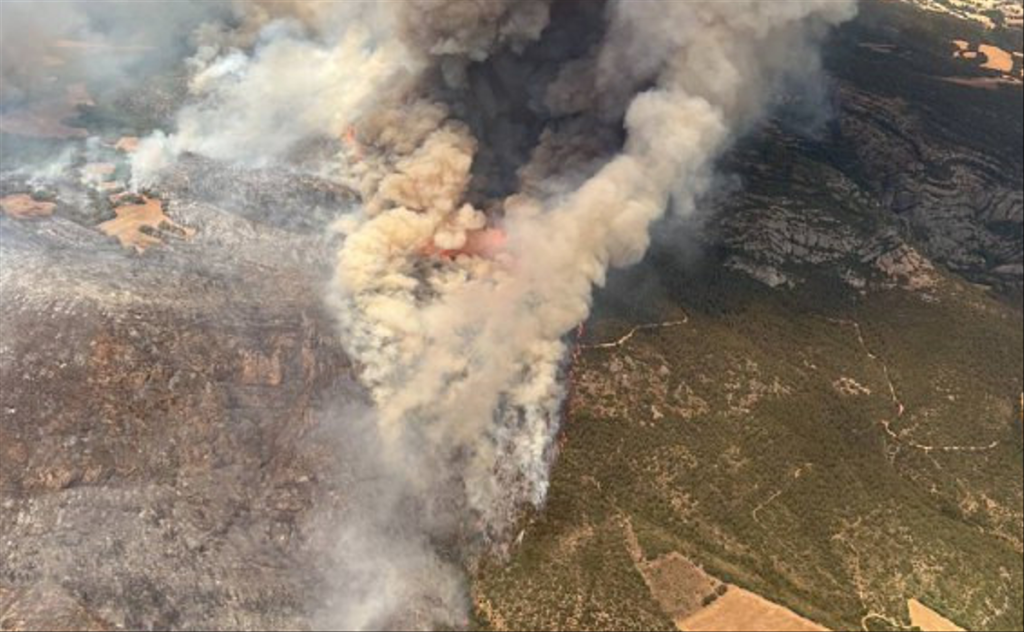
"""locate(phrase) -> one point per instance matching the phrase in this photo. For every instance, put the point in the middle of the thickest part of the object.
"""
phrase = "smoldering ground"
(381, 545)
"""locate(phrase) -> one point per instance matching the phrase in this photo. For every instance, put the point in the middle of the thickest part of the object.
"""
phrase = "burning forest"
(503, 155)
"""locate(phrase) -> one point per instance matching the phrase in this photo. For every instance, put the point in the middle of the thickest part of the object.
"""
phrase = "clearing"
(743, 611)
(923, 617)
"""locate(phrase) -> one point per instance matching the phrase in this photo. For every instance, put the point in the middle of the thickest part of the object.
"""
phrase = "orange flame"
(485, 243)
(352, 142)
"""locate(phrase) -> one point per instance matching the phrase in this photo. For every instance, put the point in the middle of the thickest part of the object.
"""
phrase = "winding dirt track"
(901, 409)
(632, 332)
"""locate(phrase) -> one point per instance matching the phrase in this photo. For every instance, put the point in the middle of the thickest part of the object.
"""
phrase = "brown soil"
(134, 222)
(22, 206)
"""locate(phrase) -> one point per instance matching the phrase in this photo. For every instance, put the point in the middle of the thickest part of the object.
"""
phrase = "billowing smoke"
(456, 302)
(508, 153)
(260, 89)
(107, 45)
(390, 569)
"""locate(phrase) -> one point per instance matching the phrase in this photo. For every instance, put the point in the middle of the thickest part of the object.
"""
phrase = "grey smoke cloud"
(108, 45)
(287, 75)
(382, 547)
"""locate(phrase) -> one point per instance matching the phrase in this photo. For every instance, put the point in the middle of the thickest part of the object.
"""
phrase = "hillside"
(830, 415)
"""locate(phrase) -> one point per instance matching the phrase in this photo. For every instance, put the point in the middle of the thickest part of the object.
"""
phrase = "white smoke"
(381, 547)
(455, 303)
(285, 89)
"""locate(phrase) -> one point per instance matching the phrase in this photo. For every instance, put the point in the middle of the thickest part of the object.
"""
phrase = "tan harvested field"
(740, 610)
(127, 144)
(22, 206)
(995, 58)
(921, 616)
(135, 222)
(998, 59)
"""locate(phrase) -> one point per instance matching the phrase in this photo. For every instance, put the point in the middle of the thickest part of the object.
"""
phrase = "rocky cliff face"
(923, 155)
(965, 207)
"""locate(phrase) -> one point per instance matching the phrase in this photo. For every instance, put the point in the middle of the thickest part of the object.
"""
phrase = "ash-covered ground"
(165, 454)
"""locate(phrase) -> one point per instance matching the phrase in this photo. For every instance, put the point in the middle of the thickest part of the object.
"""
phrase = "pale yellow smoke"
(466, 352)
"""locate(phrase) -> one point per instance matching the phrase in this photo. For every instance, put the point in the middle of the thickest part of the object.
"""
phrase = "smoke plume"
(508, 153)
(456, 301)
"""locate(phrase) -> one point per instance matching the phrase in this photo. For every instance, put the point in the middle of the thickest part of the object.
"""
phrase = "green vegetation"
(727, 440)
